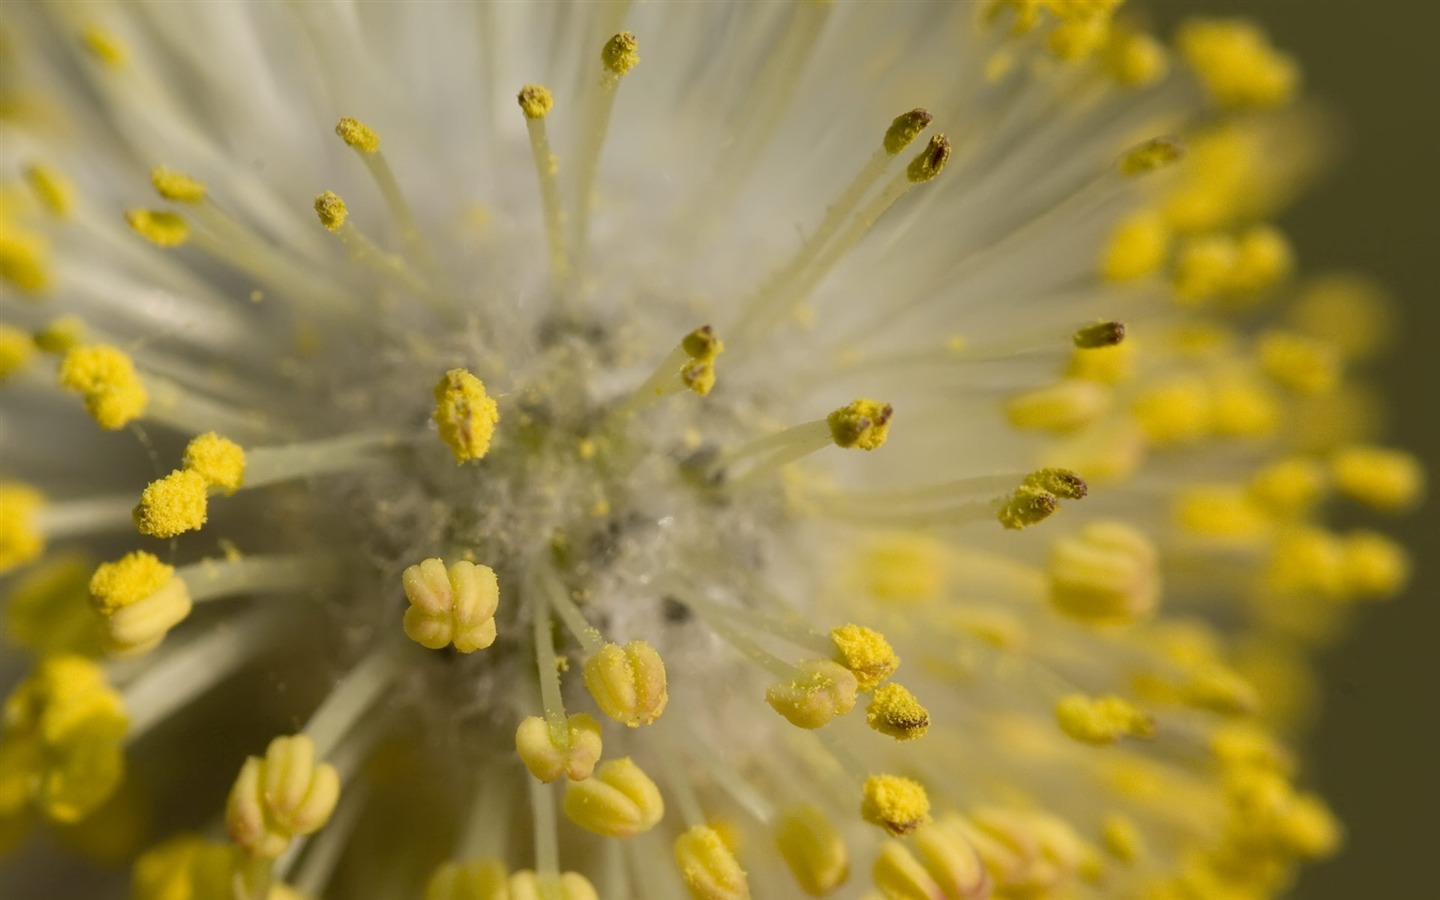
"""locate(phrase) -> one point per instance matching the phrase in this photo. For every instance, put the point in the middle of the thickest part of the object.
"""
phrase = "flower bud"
(281, 796)
(451, 606)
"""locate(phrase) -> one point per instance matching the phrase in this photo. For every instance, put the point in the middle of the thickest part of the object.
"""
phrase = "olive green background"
(1376, 754)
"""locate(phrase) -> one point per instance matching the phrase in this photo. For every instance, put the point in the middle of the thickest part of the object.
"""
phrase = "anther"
(21, 539)
(451, 605)
(358, 135)
(52, 188)
(621, 54)
(536, 101)
(465, 415)
(140, 599)
(931, 161)
(894, 711)
(16, 350)
(1102, 720)
(548, 761)
(628, 683)
(618, 800)
(1063, 483)
(897, 804)
(813, 849)
(163, 229)
(105, 377)
(176, 186)
(863, 423)
(331, 210)
(284, 795)
(172, 505)
(1155, 153)
(1107, 573)
(1101, 334)
(708, 867)
(905, 129)
(218, 460)
(822, 691)
(866, 653)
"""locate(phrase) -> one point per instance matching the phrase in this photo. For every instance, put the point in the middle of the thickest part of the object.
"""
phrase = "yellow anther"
(20, 540)
(904, 567)
(188, 867)
(451, 605)
(62, 730)
(1077, 39)
(172, 505)
(894, 711)
(813, 849)
(536, 101)
(702, 346)
(621, 54)
(708, 867)
(1101, 334)
(24, 259)
(1101, 720)
(465, 415)
(104, 46)
(1220, 511)
(1174, 411)
(628, 683)
(1244, 745)
(548, 761)
(939, 863)
(1067, 405)
(931, 161)
(1306, 562)
(1122, 838)
(897, 804)
(905, 129)
(1135, 59)
(821, 691)
(1263, 258)
(16, 351)
(105, 377)
(1137, 247)
(48, 612)
(527, 885)
(177, 186)
(484, 879)
(1106, 365)
(1300, 363)
(1155, 153)
(1351, 312)
(863, 423)
(1107, 573)
(1388, 480)
(618, 800)
(1203, 267)
(140, 599)
(1028, 853)
(60, 335)
(358, 135)
(53, 189)
(864, 652)
(1374, 565)
(220, 461)
(284, 795)
(163, 229)
(1243, 405)
(331, 210)
(1027, 506)
(1233, 58)
(1219, 689)
(1063, 483)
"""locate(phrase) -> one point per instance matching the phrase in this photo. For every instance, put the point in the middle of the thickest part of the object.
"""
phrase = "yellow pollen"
(132, 578)
(163, 229)
(451, 605)
(821, 691)
(172, 505)
(931, 161)
(358, 135)
(20, 540)
(60, 335)
(282, 796)
(1102, 720)
(1235, 61)
(898, 805)
(894, 711)
(176, 186)
(104, 46)
(24, 259)
(105, 377)
(53, 189)
(621, 54)
(708, 867)
(536, 101)
(1027, 506)
(1155, 153)
(16, 351)
(864, 424)
(140, 599)
(1385, 479)
(1137, 247)
(866, 653)
(702, 346)
(465, 414)
(905, 129)
(331, 210)
(813, 849)
(220, 461)
(1063, 483)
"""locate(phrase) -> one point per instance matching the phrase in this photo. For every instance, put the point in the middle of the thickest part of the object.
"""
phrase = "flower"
(547, 487)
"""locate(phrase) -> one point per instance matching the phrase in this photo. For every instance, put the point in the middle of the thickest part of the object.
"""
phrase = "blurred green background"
(1376, 754)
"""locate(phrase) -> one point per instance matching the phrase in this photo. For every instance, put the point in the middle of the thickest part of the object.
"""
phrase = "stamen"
(863, 424)
(366, 144)
(895, 712)
(105, 377)
(536, 102)
(628, 683)
(55, 192)
(451, 605)
(708, 867)
(280, 797)
(465, 415)
(1102, 720)
(898, 805)
(813, 849)
(619, 56)
(334, 215)
(690, 365)
(619, 800)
